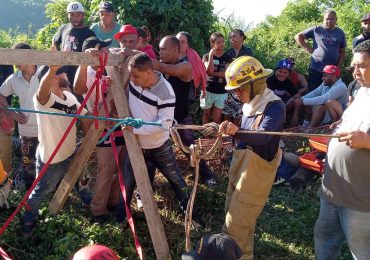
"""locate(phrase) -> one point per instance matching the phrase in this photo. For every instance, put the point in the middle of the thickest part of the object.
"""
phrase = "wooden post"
(156, 229)
(153, 219)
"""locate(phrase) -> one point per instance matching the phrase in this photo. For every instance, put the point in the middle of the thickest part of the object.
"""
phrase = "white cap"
(75, 7)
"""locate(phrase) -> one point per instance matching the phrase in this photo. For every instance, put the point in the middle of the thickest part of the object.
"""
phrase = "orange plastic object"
(319, 143)
(311, 162)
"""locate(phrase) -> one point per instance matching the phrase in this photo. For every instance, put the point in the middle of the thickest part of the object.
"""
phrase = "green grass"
(284, 229)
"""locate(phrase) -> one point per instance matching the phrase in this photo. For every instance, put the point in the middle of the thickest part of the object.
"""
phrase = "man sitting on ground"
(327, 102)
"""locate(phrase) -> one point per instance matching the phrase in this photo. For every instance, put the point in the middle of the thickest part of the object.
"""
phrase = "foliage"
(10, 37)
(169, 17)
(273, 39)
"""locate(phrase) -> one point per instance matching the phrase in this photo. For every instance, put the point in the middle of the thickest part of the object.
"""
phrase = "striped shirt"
(155, 104)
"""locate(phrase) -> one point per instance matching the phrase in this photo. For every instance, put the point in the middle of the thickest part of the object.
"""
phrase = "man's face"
(328, 79)
(282, 74)
(63, 81)
(366, 27)
(361, 64)
(330, 20)
(128, 41)
(106, 17)
(76, 19)
(242, 93)
(26, 68)
(140, 78)
(167, 52)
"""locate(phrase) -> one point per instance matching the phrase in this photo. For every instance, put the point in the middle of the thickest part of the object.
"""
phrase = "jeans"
(163, 159)
(48, 183)
(187, 137)
(337, 224)
(29, 145)
(314, 79)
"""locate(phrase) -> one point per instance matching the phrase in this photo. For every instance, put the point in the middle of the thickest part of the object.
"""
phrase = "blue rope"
(128, 121)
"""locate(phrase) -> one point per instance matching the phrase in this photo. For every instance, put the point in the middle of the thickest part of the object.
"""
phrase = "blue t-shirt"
(106, 35)
(326, 45)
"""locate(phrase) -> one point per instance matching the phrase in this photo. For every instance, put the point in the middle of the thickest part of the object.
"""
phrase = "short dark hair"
(141, 62)
(21, 46)
(186, 34)
(173, 40)
(214, 37)
(363, 47)
(238, 31)
(330, 12)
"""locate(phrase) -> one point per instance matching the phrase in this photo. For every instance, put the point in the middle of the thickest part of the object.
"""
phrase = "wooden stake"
(12, 57)
(153, 219)
(76, 168)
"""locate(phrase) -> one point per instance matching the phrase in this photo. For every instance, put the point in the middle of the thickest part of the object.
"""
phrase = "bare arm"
(300, 40)
(182, 70)
(210, 67)
(79, 86)
(43, 93)
(303, 84)
(342, 56)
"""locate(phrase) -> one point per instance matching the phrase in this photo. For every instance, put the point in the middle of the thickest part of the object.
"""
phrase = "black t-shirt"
(181, 89)
(216, 85)
(5, 72)
(244, 51)
(69, 38)
(283, 89)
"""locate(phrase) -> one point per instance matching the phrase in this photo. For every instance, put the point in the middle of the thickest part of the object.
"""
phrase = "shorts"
(218, 100)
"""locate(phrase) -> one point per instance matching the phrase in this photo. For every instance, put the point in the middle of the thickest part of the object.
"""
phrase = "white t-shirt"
(91, 73)
(17, 85)
(52, 128)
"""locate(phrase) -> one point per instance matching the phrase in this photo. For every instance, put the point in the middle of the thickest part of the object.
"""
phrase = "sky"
(250, 11)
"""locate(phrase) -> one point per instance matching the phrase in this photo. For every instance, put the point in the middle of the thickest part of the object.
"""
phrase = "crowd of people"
(237, 92)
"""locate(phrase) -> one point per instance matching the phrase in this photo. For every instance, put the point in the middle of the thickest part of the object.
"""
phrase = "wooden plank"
(153, 219)
(77, 167)
(13, 57)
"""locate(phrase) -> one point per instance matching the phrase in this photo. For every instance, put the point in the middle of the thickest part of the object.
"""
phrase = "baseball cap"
(93, 41)
(75, 7)
(106, 6)
(365, 17)
(284, 64)
(331, 69)
(215, 246)
(125, 29)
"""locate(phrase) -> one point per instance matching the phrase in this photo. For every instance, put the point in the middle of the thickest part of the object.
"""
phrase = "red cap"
(365, 17)
(125, 29)
(331, 69)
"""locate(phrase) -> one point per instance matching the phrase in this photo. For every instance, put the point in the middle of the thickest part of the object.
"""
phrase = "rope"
(128, 121)
(211, 129)
(195, 156)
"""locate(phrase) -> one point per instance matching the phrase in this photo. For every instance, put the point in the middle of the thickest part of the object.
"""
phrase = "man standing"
(107, 27)
(179, 75)
(326, 103)
(24, 84)
(254, 164)
(152, 99)
(365, 24)
(51, 97)
(329, 43)
(71, 36)
(345, 194)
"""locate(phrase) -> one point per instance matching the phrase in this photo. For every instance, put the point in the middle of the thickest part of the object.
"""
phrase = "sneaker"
(139, 204)
(100, 219)
(27, 229)
(306, 123)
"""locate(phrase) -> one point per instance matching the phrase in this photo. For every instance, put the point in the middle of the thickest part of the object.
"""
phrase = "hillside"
(21, 13)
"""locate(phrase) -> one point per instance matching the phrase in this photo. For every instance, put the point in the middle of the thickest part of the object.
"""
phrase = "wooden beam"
(13, 57)
(153, 218)
(77, 167)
